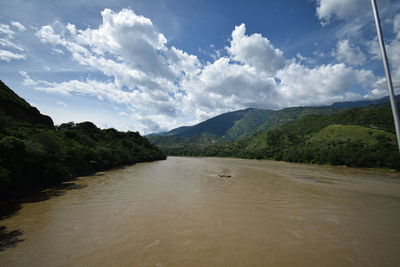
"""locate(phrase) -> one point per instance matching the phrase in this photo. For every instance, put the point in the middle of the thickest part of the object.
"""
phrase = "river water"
(213, 212)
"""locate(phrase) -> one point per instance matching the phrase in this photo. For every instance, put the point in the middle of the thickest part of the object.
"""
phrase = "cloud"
(373, 49)
(130, 36)
(393, 54)
(164, 87)
(181, 63)
(224, 86)
(5, 29)
(396, 25)
(62, 104)
(58, 51)
(7, 55)
(351, 54)
(327, 10)
(392, 50)
(255, 50)
(7, 41)
(127, 48)
(305, 59)
(324, 84)
(18, 25)
(30, 82)
(357, 24)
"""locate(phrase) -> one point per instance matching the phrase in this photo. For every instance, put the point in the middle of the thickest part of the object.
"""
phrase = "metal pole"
(387, 72)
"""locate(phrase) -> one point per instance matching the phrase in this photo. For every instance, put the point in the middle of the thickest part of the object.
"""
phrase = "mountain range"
(243, 124)
(359, 134)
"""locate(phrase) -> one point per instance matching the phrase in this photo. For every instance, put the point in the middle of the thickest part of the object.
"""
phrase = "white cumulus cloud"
(351, 54)
(255, 50)
(324, 84)
(164, 87)
(328, 10)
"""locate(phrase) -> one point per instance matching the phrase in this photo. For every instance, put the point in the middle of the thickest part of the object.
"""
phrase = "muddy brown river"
(213, 212)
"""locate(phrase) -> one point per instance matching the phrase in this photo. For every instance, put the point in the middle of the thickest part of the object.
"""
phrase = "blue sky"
(153, 65)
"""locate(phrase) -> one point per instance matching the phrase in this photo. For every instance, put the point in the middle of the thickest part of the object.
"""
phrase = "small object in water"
(224, 175)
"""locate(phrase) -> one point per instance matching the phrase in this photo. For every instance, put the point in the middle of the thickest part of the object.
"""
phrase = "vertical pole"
(387, 72)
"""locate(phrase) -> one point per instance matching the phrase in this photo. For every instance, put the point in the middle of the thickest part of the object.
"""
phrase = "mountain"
(172, 143)
(311, 128)
(216, 126)
(14, 106)
(243, 124)
(34, 153)
(357, 104)
(362, 137)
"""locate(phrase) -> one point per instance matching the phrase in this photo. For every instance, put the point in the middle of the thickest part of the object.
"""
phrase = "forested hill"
(241, 124)
(35, 153)
(17, 108)
(363, 137)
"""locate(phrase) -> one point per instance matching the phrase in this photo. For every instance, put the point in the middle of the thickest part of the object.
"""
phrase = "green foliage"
(353, 133)
(174, 143)
(362, 137)
(242, 124)
(233, 126)
(248, 125)
(217, 126)
(33, 155)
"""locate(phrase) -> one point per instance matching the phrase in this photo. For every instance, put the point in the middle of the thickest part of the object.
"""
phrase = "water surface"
(214, 212)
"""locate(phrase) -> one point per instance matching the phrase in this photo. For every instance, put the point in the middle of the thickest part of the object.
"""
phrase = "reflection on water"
(9, 239)
(213, 212)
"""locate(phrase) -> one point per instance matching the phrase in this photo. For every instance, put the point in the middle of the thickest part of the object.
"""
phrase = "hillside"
(34, 153)
(234, 126)
(354, 137)
(244, 124)
(14, 106)
(353, 133)
(217, 126)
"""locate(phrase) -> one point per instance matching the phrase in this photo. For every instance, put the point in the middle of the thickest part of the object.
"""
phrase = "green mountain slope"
(248, 124)
(374, 117)
(170, 144)
(217, 126)
(235, 125)
(352, 133)
(259, 120)
(245, 123)
(355, 137)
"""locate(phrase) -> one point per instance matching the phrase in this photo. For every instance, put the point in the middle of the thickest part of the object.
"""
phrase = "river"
(212, 212)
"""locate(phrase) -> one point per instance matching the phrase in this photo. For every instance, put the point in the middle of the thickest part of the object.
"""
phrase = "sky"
(154, 65)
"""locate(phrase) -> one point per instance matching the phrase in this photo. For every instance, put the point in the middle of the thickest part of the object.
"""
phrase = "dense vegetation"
(242, 124)
(361, 137)
(34, 153)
